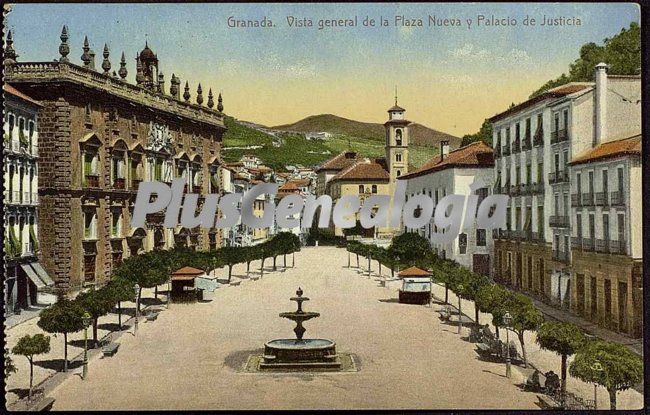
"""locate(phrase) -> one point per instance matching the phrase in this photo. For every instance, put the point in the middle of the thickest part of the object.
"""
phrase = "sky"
(448, 77)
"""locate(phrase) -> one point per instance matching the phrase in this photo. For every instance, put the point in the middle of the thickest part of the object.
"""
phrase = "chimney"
(600, 106)
(444, 149)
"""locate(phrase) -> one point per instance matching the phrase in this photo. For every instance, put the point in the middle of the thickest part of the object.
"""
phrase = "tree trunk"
(612, 399)
(369, 264)
(275, 268)
(65, 352)
(392, 272)
(262, 268)
(138, 299)
(563, 376)
(476, 314)
(496, 328)
(285, 260)
(379, 268)
(229, 273)
(95, 332)
(523, 347)
(155, 290)
(446, 294)
(119, 314)
(293, 260)
(31, 378)
(248, 268)
(348, 259)
(357, 260)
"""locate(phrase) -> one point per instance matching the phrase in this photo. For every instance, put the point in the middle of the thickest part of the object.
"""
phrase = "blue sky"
(448, 78)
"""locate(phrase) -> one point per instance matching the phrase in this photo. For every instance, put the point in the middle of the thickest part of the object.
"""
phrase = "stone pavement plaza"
(190, 358)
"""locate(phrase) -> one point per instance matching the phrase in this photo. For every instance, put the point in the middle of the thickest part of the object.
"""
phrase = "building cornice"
(56, 72)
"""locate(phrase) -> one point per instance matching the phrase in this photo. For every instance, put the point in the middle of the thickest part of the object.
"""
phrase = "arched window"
(360, 188)
(398, 137)
(398, 157)
(374, 188)
(399, 173)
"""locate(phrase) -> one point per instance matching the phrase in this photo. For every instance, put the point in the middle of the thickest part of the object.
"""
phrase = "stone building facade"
(100, 136)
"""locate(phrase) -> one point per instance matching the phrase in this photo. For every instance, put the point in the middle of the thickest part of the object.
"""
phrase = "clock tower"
(397, 143)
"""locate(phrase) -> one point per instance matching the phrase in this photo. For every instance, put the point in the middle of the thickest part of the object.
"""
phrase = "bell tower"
(397, 142)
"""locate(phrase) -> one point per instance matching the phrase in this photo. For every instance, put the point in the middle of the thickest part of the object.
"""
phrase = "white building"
(535, 143)
(453, 173)
(24, 276)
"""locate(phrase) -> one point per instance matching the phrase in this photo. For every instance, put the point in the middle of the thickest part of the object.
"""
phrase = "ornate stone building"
(100, 136)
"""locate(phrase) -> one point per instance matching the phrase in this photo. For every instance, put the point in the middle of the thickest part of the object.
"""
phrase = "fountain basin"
(300, 354)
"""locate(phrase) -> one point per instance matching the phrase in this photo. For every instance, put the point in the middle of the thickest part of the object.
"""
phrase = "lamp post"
(169, 285)
(507, 320)
(86, 318)
(598, 368)
(136, 289)
(460, 313)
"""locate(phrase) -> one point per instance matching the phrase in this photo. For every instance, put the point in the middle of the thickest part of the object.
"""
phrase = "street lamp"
(169, 285)
(598, 368)
(136, 289)
(507, 320)
(86, 318)
(460, 314)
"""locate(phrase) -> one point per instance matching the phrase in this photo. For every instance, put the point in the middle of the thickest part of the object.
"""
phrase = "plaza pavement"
(191, 356)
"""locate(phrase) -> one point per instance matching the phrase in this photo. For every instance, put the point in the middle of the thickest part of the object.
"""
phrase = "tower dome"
(147, 53)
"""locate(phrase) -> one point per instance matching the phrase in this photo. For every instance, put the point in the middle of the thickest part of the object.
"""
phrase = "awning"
(32, 275)
(42, 274)
(208, 284)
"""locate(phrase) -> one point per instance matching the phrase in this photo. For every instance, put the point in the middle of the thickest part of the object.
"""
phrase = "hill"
(279, 148)
(419, 134)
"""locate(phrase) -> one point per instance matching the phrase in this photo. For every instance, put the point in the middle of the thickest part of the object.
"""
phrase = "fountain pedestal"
(300, 353)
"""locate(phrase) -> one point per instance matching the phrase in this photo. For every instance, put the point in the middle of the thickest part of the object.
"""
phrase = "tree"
(230, 255)
(562, 338)
(120, 290)
(484, 134)
(250, 254)
(622, 53)
(622, 369)
(411, 249)
(30, 346)
(97, 303)
(64, 317)
(9, 364)
(525, 317)
(471, 285)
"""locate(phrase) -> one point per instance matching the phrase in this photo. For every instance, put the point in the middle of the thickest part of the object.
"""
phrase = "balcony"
(557, 221)
(575, 200)
(514, 190)
(559, 176)
(506, 150)
(561, 256)
(587, 244)
(559, 136)
(536, 188)
(538, 138)
(119, 183)
(617, 198)
(196, 188)
(526, 143)
(516, 147)
(576, 243)
(618, 247)
(587, 199)
(601, 245)
(91, 180)
(497, 150)
(601, 199)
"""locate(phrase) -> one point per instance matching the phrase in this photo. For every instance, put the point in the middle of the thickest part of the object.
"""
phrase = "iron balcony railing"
(576, 243)
(514, 190)
(526, 143)
(587, 199)
(601, 199)
(587, 244)
(516, 146)
(559, 221)
(506, 150)
(575, 200)
(617, 198)
(538, 139)
(561, 256)
(559, 136)
(559, 176)
(601, 245)
(618, 247)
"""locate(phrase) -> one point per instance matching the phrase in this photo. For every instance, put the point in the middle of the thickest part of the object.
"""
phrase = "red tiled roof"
(414, 272)
(626, 146)
(13, 91)
(341, 161)
(557, 92)
(363, 170)
(289, 186)
(477, 154)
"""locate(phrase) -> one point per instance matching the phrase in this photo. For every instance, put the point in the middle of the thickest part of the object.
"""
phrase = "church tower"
(397, 143)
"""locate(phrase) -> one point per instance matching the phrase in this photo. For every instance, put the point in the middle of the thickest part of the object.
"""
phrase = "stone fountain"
(300, 353)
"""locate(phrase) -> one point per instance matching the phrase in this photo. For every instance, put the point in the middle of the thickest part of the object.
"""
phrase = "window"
(374, 188)
(517, 131)
(398, 157)
(509, 218)
(12, 123)
(462, 243)
(621, 228)
(518, 218)
(361, 188)
(398, 137)
(116, 224)
(90, 225)
(508, 135)
(540, 220)
(566, 159)
(480, 237)
(527, 128)
(591, 182)
(579, 226)
(556, 121)
(517, 175)
(566, 119)
(557, 163)
(540, 172)
(399, 173)
(606, 226)
(621, 181)
(578, 184)
(529, 173)
(605, 184)
(592, 226)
